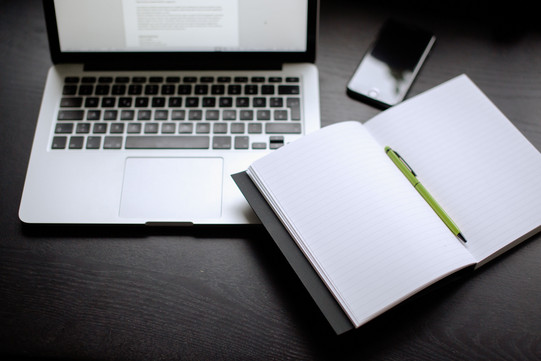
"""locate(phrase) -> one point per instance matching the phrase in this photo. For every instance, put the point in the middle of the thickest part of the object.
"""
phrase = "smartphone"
(390, 65)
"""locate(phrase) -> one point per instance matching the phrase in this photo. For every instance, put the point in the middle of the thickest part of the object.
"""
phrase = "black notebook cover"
(302, 267)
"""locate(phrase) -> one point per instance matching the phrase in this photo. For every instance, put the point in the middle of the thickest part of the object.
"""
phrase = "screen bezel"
(182, 60)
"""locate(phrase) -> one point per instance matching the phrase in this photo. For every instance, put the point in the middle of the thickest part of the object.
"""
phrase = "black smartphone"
(390, 65)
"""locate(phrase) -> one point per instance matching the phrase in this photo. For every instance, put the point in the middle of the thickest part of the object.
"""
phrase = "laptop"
(151, 105)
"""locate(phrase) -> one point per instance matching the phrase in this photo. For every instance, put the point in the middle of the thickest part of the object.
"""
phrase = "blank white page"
(373, 240)
(476, 164)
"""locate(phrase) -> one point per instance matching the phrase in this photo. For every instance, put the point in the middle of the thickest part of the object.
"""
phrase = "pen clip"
(405, 163)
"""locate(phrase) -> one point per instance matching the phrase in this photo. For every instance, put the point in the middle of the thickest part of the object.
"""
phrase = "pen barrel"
(437, 208)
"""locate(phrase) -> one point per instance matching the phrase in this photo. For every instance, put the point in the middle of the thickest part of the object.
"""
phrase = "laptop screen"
(182, 25)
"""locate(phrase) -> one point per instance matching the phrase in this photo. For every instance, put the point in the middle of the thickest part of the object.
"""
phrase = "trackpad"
(173, 189)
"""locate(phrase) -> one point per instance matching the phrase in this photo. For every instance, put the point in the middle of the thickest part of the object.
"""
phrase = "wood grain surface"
(212, 293)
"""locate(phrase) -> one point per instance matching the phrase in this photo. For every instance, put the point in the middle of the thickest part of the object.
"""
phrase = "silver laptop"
(151, 105)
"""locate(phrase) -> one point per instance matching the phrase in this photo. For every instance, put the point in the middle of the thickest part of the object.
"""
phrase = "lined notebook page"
(478, 166)
(373, 240)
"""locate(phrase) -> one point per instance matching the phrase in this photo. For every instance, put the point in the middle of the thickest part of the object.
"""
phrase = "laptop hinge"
(164, 67)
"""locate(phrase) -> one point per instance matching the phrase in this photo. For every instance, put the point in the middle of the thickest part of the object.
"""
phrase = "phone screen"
(388, 69)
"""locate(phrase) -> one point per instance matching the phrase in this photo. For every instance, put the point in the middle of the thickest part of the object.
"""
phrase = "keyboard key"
(242, 102)
(224, 79)
(229, 115)
(288, 89)
(141, 102)
(212, 115)
(93, 115)
(86, 89)
(71, 102)
(139, 79)
(184, 89)
(173, 79)
(250, 89)
(218, 89)
(237, 128)
(234, 89)
(209, 102)
(99, 128)
(134, 128)
(178, 115)
(63, 128)
(118, 89)
(201, 89)
(161, 114)
(280, 115)
(143, 115)
(69, 90)
(275, 79)
(168, 89)
(192, 102)
(292, 79)
(76, 143)
(88, 79)
(190, 79)
(155, 79)
(71, 115)
(241, 79)
(71, 79)
(185, 128)
(219, 128)
(158, 102)
(167, 142)
(112, 142)
(127, 115)
(59, 142)
(108, 102)
(276, 142)
(168, 128)
(122, 79)
(151, 89)
(82, 128)
(151, 128)
(93, 142)
(202, 128)
(226, 102)
(117, 128)
(258, 79)
(259, 102)
(221, 142)
(175, 102)
(263, 115)
(246, 115)
(195, 115)
(110, 115)
(105, 79)
(255, 128)
(102, 89)
(267, 89)
(242, 142)
(92, 102)
(124, 102)
(135, 89)
(294, 105)
(259, 145)
(276, 102)
(285, 128)
(207, 79)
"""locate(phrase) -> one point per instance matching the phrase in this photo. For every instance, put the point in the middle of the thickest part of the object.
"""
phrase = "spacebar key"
(167, 142)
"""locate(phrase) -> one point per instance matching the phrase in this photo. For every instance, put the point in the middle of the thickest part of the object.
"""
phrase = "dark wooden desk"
(227, 293)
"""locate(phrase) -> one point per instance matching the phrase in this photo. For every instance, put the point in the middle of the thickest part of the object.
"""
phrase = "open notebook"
(365, 230)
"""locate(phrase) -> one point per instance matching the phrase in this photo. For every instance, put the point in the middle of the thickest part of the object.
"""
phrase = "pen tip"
(461, 237)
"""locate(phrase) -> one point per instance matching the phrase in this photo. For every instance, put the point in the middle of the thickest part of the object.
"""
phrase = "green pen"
(412, 177)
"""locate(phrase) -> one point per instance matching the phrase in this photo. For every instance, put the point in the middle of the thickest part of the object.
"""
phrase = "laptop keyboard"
(178, 112)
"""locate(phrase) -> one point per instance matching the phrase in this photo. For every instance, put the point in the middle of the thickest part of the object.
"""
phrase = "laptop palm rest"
(172, 189)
